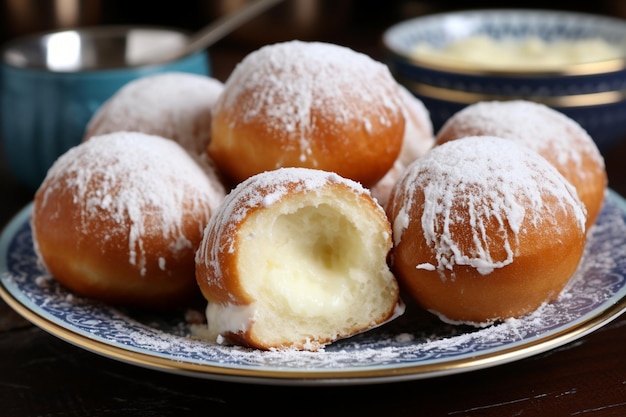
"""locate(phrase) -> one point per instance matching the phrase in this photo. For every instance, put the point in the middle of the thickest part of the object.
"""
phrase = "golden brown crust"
(103, 236)
(222, 264)
(216, 271)
(96, 264)
(541, 269)
(552, 134)
(327, 108)
(366, 157)
(474, 244)
(254, 211)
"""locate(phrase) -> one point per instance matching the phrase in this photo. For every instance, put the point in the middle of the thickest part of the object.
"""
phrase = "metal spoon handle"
(225, 25)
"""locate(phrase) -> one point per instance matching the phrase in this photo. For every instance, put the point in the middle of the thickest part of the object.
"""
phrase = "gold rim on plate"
(235, 372)
(397, 373)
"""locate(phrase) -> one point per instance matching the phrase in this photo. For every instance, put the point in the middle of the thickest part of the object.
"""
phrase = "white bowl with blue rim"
(592, 93)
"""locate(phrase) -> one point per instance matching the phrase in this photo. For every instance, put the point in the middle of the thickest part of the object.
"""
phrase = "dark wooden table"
(41, 375)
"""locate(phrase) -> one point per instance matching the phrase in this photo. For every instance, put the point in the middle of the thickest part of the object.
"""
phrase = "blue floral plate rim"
(415, 346)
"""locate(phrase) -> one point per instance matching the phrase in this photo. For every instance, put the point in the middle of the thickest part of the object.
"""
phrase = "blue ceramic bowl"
(592, 93)
(52, 83)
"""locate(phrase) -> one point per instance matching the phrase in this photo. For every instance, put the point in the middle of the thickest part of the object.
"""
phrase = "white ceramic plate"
(414, 346)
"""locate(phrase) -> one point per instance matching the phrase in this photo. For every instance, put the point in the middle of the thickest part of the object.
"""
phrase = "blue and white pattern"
(604, 118)
(415, 340)
(441, 29)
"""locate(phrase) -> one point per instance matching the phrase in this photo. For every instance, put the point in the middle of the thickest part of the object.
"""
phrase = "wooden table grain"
(41, 375)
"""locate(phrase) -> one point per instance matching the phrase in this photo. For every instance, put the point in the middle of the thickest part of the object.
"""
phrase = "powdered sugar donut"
(308, 104)
(174, 105)
(418, 139)
(119, 217)
(558, 138)
(382, 189)
(296, 258)
(419, 135)
(484, 229)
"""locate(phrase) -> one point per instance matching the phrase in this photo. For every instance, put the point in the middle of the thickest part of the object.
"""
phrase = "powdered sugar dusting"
(491, 178)
(535, 125)
(418, 139)
(128, 178)
(261, 190)
(174, 105)
(289, 85)
(419, 136)
(416, 339)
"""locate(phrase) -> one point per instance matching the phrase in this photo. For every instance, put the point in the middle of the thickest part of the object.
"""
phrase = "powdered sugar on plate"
(415, 340)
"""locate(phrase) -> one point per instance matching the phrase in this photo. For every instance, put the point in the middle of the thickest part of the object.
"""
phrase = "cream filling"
(316, 268)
